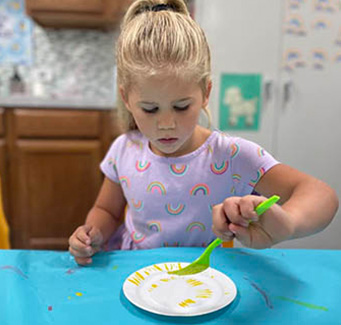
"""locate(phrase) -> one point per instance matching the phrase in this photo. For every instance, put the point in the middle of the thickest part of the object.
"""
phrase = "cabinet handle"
(287, 91)
(268, 90)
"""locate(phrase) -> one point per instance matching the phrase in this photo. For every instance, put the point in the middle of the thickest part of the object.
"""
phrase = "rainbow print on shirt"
(260, 173)
(236, 178)
(219, 170)
(156, 187)
(175, 211)
(260, 152)
(137, 237)
(124, 181)
(154, 225)
(178, 171)
(234, 150)
(195, 226)
(138, 206)
(141, 167)
(203, 188)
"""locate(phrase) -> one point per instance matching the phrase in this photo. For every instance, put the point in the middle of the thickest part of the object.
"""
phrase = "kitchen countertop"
(76, 103)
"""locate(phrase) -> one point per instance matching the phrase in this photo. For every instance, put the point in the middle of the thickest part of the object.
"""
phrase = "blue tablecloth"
(274, 287)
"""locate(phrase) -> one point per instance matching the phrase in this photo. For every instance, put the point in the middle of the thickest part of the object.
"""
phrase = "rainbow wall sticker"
(156, 187)
(320, 24)
(293, 58)
(200, 188)
(337, 58)
(324, 5)
(142, 166)
(319, 58)
(295, 4)
(178, 170)
(294, 24)
(138, 206)
(154, 225)
(195, 226)
(260, 173)
(219, 169)
(137, 237)
(124, 180)
(176, 210)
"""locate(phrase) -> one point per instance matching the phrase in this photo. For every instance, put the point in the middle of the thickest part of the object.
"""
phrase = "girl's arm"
(310, 203)
(108, 211)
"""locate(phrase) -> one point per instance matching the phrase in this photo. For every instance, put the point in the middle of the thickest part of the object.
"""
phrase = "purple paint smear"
(14, 269)
(262, 292)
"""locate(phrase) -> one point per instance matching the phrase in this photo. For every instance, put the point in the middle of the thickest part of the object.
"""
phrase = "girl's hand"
(85, 242)
(236, 216)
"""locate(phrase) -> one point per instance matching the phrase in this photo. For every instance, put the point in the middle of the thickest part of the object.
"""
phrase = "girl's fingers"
(242, 234)
(87, 252)
(82, 234)
(83, 260)
(232, 211)
(95, 237)
(220, 221)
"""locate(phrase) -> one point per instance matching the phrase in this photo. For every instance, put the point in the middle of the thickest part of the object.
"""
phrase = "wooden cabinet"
(54, 172)
(3, 160)
(77, 13)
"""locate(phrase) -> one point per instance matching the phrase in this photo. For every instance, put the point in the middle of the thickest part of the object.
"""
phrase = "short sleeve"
(249, 162)
(109, 164)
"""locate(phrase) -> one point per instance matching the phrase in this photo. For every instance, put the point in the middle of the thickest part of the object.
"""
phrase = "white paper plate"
(156, 291)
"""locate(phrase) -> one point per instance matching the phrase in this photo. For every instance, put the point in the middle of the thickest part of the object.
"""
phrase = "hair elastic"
(161, 7)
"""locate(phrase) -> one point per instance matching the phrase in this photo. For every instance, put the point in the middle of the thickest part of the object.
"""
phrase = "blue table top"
(274, 287)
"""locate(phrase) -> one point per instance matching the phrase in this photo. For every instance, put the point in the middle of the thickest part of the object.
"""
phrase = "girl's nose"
(166, 121)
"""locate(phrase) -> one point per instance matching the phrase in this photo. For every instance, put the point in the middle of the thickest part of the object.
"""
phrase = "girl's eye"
(181, 108)
(150, 110)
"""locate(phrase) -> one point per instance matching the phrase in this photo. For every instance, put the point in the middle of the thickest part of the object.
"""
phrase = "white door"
(309, 132)
(245, 37)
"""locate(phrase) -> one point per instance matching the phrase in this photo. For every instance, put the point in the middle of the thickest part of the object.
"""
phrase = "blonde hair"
(166, 39)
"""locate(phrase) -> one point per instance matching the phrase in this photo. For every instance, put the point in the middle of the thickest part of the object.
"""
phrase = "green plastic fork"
(203, 261)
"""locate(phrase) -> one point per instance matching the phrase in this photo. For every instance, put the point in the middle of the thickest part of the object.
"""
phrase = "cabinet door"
(55, 185)
(88, 6)
(245, 38)
(3, 161)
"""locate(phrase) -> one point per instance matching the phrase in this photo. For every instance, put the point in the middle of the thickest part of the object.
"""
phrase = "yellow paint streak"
(179, 266)
(194, 283)
(186, 303)
(154, 285)
(166, 267)
(158, 268)
(147, 273)
(206, 293)
(165, 280)
(135, 281)
(139, 275)
(79, 294)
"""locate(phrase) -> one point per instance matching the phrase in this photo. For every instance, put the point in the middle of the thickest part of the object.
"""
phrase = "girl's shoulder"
(127, 139)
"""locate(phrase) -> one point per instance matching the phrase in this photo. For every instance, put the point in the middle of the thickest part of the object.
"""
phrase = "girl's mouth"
(168, 141)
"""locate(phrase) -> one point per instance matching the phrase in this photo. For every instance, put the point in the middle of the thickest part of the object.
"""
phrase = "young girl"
(168, 175)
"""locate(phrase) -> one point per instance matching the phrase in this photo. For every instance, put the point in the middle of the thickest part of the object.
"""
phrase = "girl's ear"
(207, 94)
(124, 97)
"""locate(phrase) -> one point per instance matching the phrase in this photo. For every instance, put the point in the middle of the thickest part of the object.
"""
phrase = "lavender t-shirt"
(170, 199)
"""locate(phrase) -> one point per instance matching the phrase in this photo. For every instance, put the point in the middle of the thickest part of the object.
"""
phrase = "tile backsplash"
(67, 64)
